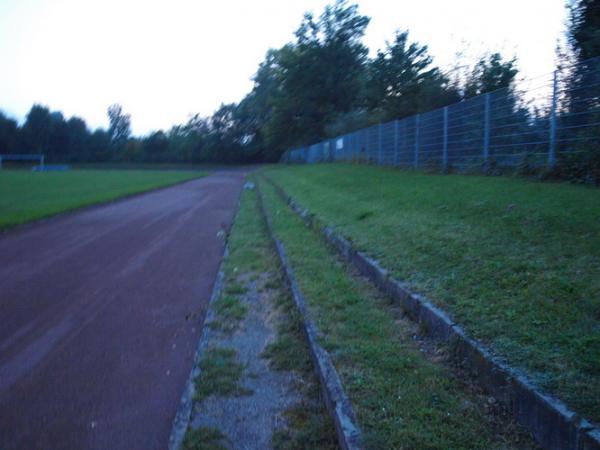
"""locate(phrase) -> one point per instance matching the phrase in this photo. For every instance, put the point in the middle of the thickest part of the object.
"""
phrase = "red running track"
(100, 314)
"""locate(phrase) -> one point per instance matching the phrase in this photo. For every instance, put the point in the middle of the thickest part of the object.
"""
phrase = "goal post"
(22, 157)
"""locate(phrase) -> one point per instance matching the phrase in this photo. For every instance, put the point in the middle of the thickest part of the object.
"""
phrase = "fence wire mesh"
(535, 123)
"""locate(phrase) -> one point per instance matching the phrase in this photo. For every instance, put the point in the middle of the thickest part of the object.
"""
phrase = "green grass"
(402, 399)
(220, 375)
(516, 262)
(144, 166)
(250, 253)
(310, 426)
(229, 312)
(27, 196)
(204, 438)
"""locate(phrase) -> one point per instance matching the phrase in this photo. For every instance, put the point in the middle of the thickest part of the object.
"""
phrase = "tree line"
(320, 85)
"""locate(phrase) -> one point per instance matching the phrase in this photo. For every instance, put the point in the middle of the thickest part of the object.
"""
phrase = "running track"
(100, 314)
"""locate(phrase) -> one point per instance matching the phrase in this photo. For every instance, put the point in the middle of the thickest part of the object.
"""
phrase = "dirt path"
(100, 316)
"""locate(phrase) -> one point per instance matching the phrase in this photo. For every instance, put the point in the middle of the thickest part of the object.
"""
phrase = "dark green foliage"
(403, 82)
(581, 96)
(119, 126)
(8, 134)
(315, 78)
(584, 28)
(580, 167)
(490, 74)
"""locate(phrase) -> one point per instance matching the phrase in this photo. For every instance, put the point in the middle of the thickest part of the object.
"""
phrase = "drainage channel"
(253, 386)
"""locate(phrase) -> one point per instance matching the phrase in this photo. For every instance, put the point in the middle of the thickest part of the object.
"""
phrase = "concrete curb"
(552, 423)
(186, 404)
(184, 412)
(338, 405)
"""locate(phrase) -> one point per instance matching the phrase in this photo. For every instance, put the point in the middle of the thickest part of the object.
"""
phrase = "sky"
(166, 60)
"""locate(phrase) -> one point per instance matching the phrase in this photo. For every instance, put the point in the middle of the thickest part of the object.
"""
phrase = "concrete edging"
(337, 402)
(552, 423)
(184, 412)
(183, 415)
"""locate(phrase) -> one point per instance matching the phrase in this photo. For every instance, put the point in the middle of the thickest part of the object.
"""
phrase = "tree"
(513, 132)
(155, 147)
(58, 142)
(78, 137)
(579, 158)
(35, 133)
(584, 28)
(119, 128)
(256, 109)
(490, 74)
(403, 82)
(317, 77)
(8, 134)
(99, 146)
(583, 36)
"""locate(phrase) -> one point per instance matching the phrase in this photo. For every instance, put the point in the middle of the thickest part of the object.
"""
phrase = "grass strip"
(26, 196)
(205, 438)
(220, 375)
(229, 311)
(402, 399)
(513, 261)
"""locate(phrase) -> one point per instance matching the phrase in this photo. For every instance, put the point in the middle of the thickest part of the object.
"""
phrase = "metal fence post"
(445, 144)
(396, 143)
(486, 129)
(552, 137)
(380, 144)
(417, 123)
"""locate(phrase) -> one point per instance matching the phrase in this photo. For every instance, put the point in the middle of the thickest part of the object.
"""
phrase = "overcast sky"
(164, 60)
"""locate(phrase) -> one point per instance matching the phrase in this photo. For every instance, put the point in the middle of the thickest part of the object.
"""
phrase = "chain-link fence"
(535, 122)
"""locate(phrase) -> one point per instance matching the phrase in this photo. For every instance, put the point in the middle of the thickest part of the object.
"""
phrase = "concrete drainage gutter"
(184, 412)
(183, 415)
(552, 423)
(337, 402)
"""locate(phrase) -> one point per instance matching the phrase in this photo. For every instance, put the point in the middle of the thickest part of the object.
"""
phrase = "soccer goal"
(21, 159)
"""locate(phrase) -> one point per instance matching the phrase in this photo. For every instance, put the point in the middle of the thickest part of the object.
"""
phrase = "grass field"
(516, 262)
(154, 166)
(402, 398)
(27, 196)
